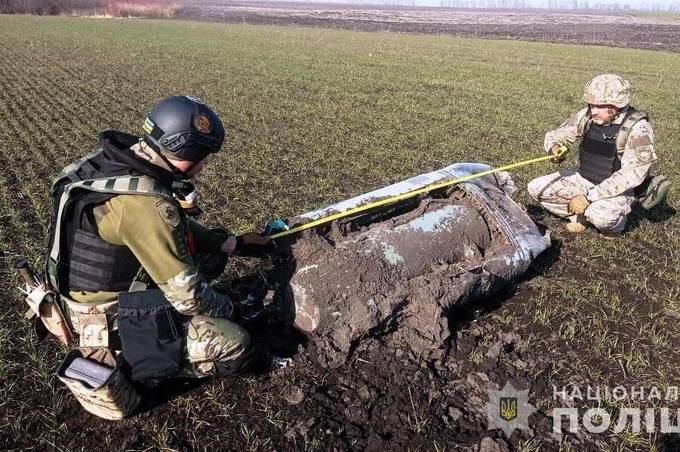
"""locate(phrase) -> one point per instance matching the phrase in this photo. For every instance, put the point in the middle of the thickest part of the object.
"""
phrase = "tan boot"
(575, 228)
(576, 225)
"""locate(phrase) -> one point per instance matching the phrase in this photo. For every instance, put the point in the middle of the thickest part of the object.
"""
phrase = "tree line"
(146, 8)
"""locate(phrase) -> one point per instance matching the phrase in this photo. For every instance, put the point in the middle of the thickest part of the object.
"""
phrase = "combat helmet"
(183, 127)
(607, 89)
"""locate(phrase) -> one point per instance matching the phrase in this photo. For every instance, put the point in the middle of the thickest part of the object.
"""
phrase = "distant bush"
(125, 8)
(141, 8)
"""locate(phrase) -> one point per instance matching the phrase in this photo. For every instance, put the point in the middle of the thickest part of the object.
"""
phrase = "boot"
(653, 191)
(610, 235)
(576, 225)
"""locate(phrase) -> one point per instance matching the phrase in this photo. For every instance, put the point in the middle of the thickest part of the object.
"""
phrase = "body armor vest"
(601, 146)
(78, 259)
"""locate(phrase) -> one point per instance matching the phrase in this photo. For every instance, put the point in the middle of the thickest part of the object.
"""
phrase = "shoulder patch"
(645, 154)
(168, 212)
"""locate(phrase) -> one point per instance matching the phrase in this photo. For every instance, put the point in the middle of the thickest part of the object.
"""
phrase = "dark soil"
(612, 30)
(385, 397)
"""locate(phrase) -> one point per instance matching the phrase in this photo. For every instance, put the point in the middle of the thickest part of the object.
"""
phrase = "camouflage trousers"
(554, 191)
(214, 347)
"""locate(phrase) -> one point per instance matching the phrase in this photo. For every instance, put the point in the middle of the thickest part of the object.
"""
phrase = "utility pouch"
(151, 334)
(93, 330)
(95, 378)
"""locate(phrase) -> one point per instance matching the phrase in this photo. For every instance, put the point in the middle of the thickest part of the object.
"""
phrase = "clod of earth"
(398, 273)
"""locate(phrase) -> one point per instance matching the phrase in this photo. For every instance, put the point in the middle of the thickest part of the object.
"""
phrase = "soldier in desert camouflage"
(121, 225)
(616, 151)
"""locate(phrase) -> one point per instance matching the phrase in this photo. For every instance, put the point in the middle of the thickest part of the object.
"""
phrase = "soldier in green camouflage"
(616, 152)
(121, 225)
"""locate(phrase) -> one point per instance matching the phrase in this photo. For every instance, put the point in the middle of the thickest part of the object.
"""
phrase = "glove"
(559, 153)
(578, 205)
(275, 226)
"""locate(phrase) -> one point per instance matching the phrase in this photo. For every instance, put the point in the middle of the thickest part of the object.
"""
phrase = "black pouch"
(151, 334)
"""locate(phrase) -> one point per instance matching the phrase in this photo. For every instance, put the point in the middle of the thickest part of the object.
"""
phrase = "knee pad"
(255, 358)
(216, 340)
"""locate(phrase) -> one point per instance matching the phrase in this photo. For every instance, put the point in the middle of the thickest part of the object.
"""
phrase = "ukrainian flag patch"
(148, 125)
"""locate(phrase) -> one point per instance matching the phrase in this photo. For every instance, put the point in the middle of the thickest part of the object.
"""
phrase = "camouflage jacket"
(163, 239)
(636, 158)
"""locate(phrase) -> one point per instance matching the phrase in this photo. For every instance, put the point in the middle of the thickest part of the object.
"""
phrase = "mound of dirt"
(399, 277)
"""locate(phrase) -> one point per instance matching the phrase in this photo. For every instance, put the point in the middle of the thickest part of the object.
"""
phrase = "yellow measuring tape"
(562, 150)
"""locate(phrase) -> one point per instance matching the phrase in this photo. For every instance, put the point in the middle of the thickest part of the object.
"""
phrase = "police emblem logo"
(645, 154)
(508, 408)
(168, 213)
(202, 123)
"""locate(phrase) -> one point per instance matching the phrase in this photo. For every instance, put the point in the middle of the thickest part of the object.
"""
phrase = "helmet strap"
(182, 174)
(176, 171)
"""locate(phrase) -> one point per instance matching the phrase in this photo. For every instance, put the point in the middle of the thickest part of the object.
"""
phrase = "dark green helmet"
(184, 127)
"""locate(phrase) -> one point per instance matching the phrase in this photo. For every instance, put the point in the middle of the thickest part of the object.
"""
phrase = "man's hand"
(578, 205)
(559, 153)
(249, 307)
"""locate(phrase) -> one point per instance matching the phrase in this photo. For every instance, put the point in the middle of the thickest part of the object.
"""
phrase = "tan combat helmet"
(607, 89)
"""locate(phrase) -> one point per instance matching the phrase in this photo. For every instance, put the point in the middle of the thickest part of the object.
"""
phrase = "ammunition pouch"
(94, 330)
(151, 334)
(93, 322)
(95, 378)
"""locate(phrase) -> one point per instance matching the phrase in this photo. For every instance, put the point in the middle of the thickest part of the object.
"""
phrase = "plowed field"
(614, 29)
